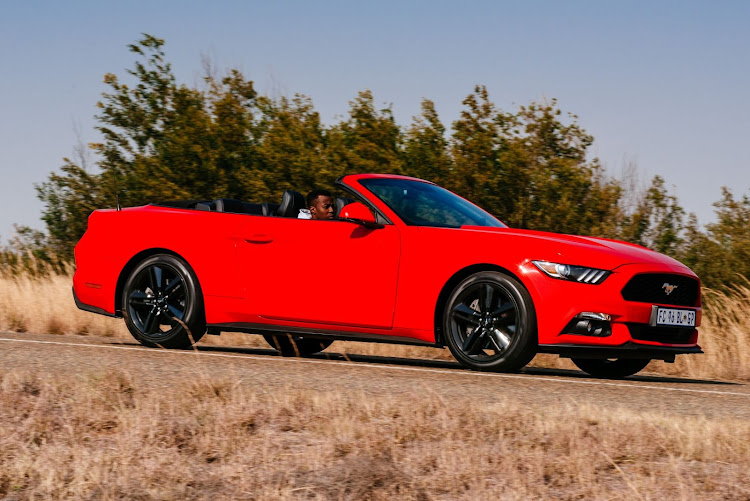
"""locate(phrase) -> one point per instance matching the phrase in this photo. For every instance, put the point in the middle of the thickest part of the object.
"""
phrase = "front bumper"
(558, 302)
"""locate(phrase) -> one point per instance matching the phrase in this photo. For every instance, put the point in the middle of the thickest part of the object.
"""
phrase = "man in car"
(320, 205)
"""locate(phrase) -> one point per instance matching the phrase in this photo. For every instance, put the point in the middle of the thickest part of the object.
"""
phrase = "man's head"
(320, 203)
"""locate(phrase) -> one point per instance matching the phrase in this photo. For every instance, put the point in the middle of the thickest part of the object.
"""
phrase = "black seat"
(340, 203)
(248, 208)
(270, 209)
(237, 206)
(291, 203)
(227, 205)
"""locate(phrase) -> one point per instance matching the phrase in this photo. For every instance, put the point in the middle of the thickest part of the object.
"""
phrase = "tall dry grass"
(44, 304)
(110, 436)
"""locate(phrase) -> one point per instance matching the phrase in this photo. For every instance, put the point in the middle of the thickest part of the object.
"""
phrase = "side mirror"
(358, 213)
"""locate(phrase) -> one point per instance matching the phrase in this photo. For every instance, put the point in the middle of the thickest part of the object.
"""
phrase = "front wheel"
(489, 323)
(296, 346)
(611, 369)
(163, 304)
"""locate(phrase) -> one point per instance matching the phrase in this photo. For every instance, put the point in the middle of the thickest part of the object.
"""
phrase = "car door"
(323, 272)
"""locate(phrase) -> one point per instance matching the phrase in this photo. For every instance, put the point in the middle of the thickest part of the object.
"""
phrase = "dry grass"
(109, 436)
(45, 305)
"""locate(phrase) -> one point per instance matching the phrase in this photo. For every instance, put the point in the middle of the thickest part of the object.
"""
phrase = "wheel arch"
(135, 261)
(453, 281)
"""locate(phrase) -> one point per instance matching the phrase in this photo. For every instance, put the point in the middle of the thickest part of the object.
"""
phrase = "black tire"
(296, 346)
(162, 303)
(611, 369)
(489, 323)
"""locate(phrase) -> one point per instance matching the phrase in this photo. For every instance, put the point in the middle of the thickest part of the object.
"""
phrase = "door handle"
(259, 238)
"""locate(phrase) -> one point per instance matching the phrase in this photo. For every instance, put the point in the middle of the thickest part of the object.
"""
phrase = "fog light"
(590, 324)
(584, 326)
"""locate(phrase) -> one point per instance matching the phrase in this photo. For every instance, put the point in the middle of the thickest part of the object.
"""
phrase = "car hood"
(578, 250)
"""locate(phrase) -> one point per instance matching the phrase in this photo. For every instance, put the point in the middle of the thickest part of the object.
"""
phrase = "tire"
(163, 304)
(489, 323)
(611, 369)
(296, 346)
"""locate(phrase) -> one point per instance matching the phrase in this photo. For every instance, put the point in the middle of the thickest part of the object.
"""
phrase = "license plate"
(672, 317)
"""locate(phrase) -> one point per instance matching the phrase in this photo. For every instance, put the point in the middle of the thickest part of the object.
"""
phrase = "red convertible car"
(404, 261)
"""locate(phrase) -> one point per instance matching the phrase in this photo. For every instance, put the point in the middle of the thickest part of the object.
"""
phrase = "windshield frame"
(472, 214)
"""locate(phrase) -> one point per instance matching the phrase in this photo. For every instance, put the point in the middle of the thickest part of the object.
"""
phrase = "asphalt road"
(371, 375)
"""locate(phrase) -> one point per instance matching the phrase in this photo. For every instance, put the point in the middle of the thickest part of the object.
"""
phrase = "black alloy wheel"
(163, 304)
(290, 345)
(489, 323)
(617, 368)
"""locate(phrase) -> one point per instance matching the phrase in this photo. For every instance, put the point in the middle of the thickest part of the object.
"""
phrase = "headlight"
(574, 273)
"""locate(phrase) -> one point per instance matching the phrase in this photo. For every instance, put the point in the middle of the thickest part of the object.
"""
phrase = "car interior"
(291, 203)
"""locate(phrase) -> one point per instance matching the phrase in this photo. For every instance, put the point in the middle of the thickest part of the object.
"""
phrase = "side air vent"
(662, 288)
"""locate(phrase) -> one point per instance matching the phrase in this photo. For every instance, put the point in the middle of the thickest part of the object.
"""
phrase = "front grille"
(652, 288)
(669, 335)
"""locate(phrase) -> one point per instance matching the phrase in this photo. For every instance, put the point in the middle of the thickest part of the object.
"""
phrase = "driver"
(320, 205)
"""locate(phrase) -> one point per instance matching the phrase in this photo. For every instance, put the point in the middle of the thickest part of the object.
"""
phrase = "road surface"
(371, 375)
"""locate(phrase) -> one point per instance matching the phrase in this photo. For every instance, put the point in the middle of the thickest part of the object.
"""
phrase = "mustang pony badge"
(668, 288)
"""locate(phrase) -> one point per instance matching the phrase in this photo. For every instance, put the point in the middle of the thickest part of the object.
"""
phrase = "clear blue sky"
(660, 84)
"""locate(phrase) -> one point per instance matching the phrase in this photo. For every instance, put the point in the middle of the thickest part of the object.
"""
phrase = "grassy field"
(108, 436)
(45, 305)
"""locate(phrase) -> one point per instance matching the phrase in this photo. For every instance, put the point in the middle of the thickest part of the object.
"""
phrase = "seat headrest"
(209, 206)
(340, 203)
(291, 203)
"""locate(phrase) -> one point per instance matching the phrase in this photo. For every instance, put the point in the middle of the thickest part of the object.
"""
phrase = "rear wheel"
(163, 304)
(489, 323)
(296, 346)
(611, 368)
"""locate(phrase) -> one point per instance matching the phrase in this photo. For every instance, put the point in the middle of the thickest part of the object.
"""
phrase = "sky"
(660, 85)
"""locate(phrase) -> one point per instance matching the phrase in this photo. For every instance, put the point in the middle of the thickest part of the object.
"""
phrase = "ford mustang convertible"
(403, 261)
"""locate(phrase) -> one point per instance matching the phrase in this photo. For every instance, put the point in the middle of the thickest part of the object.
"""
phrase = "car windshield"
(424, 204)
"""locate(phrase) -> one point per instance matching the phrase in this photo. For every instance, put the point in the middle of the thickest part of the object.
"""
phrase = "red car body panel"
(337, 276)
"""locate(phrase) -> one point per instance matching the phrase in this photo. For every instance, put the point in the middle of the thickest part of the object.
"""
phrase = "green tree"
(531, 169)
(475, 147)
(368, 141)
(28, 251)
(563, 191)
(235, 135)
(426, 154)
(69, 198)
(291, 150)
(657, 221)
(160, 141)
(720, 254)
(163, 140)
